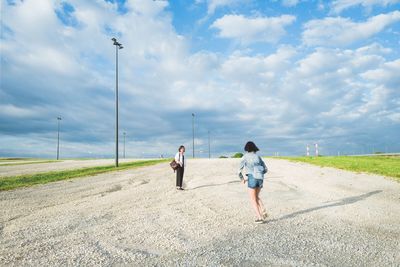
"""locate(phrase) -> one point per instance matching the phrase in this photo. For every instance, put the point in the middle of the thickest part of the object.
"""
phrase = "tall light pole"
(124, 143)
(118, 46)
(58, 137)
(193, 131)
(209, 150)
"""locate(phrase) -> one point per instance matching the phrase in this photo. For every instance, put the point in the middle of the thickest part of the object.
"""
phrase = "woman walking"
(180, 159)
(255, 169)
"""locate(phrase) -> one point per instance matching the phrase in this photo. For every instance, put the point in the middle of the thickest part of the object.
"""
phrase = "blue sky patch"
(66, 15)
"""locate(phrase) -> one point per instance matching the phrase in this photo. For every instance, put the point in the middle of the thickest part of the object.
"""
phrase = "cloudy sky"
(283, 73)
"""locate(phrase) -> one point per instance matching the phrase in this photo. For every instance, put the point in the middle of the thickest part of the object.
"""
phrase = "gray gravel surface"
(318, 217)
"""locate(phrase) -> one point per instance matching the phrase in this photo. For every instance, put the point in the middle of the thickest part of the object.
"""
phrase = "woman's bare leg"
(261, 206)
(254, 203)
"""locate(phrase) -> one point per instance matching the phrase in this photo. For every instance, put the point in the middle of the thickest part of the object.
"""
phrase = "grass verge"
(12, 182)
(19, 159)
(26, 163)
(387, 166)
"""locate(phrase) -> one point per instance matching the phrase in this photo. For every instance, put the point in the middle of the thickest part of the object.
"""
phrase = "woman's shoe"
(265, 215)
(259, 221)
(180, 188)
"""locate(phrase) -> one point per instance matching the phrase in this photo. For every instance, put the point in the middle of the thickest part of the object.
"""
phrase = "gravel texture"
(318, 217)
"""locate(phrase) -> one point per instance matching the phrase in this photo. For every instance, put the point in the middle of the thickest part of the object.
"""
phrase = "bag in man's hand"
(174, 165)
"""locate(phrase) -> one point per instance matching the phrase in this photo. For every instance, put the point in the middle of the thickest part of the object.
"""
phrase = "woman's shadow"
(336, 203)
(211, 185)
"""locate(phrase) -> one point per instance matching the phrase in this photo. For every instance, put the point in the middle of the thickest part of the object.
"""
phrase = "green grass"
(18, 159)
(382, 165)
(25, 163)
(12, 182)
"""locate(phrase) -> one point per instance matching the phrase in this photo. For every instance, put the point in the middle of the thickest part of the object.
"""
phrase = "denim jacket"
(249, 161)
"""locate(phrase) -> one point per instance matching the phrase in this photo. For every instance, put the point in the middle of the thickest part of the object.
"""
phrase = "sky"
(282, 73)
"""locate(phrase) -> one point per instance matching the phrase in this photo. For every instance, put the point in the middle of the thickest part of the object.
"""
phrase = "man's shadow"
(340, 202)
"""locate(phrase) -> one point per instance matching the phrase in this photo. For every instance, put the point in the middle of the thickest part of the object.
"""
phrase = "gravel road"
(10, 170)
(318, 216)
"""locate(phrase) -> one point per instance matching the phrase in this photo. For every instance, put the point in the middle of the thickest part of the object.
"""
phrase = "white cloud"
(147, 8)
(256, 70)
(290, 3)
(337, 31)
(70, 70)
(13, 111)
(338, 6)
(347, 85)
(213, 5)
(387, 73)
(248, 30)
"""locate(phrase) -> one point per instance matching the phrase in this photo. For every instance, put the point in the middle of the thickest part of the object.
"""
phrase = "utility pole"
(316, 149)
(124, 143)
(193, 131)
(209, 150)
(58, 137)
(118, 46)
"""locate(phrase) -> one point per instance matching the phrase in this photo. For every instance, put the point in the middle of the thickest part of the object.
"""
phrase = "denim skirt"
(254, 183)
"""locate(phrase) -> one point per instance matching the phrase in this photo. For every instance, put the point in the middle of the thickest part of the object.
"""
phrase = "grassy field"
(25, 163)
(20, 159)
(12, 182)
(387, 166)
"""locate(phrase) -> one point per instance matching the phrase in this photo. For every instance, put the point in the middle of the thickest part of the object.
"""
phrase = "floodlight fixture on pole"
(118, 46)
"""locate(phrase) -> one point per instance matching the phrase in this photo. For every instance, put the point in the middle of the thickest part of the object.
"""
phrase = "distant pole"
(193, 131)
(209, 149)
(58, 137)
(316, 149)
(118, 46)
(124, 143)
(308, 150)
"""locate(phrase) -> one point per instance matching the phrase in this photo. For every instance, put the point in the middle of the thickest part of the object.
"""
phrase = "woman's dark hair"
(179, 149)
(250, 147)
